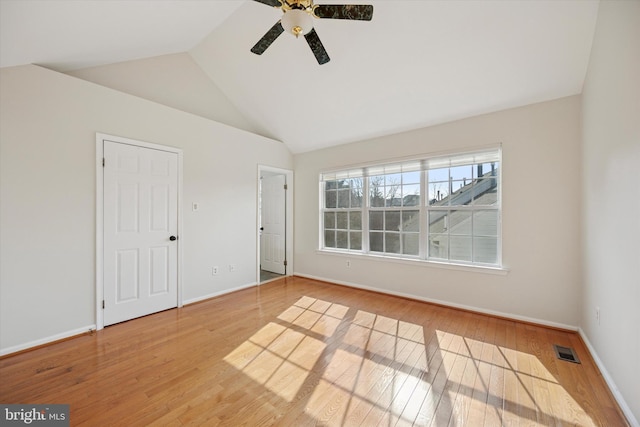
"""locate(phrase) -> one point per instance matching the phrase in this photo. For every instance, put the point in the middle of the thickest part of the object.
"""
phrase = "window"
(342, 213)
(463, 213)
(444, 209)
(394, 209)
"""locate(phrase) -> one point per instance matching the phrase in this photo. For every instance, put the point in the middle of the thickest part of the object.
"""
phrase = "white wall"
(611, 164)
(48, 123)
(541, 214)
(174, 80)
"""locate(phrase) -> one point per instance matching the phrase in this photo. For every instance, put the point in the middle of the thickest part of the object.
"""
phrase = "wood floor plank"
(445, 325)
(455, 367)
(473, 394)
(302, 352)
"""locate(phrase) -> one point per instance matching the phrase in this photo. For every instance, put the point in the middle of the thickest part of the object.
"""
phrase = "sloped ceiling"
(417, 63)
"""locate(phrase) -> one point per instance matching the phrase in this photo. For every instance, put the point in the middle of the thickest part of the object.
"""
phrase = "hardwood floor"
(297, 352)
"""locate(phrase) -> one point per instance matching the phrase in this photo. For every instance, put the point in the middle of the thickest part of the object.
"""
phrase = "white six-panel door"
(272, 239)
(140, 224)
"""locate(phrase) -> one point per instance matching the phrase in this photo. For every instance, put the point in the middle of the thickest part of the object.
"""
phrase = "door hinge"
(286, 187)
(285, 262)
(103, 304)
(103, 162)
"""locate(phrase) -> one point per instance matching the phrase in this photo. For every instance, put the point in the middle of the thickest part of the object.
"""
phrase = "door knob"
(172, 238)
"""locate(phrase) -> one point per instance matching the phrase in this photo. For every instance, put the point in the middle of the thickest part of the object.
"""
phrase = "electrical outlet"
(214, 271)
(348, 263)
(598, 315)
(232, 268)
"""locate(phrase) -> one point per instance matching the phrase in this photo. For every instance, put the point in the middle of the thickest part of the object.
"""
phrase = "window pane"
(392, 243)
(329, 239)
(438, 174)
(356, 192)
(342, 219)
(439, 246)
(342, 239)
(393, 196)
(410, 243)
(462, 173)
(485, 249)
(484, 169)
(355, 240)
(375, 242)
(331, 185)
(329, 220)
(393, 179)
(460, 222)
(438, 193)
(485, 223)
(356, 200)
(376, 191)
(460, 248)
(411, 195)
(376, 221)
(355, 220)
(411, 177)
(330, 199)
(485, 192)
(392, 220)
(343, 198)
(438, 222)
(462, 195)
(410, 220)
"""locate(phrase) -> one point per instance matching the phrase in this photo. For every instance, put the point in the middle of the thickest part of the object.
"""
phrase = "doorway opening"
(275, 234)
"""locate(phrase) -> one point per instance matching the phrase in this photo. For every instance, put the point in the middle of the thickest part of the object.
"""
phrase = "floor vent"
(566, 353)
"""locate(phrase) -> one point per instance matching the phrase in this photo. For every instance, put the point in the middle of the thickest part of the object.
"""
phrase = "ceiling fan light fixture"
(297, 22)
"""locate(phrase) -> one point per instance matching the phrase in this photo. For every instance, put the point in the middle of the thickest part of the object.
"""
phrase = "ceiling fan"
(298, 20)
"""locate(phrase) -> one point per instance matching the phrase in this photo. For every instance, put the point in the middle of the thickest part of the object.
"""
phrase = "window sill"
(500, 271)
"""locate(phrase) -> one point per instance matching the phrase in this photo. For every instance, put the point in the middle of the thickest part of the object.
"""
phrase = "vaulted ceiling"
(417, 63)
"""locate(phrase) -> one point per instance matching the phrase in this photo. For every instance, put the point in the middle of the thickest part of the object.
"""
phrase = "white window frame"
(349, 174)
(486, 155)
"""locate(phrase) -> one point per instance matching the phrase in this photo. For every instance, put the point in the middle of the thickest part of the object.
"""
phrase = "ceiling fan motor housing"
(297, 22)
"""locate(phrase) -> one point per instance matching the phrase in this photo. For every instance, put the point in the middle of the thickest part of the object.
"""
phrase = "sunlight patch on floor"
(359, 367)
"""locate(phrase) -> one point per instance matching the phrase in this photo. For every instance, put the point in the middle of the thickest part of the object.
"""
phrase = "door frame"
(100, 139)
(288, 213)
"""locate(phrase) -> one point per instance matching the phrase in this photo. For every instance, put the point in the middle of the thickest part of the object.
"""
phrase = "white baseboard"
(612, 385)
(217, 294)
(446, 303)
(80, 331)
(47, 340)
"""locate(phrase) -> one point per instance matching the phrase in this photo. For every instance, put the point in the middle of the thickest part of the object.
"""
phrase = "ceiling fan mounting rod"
(306, 5)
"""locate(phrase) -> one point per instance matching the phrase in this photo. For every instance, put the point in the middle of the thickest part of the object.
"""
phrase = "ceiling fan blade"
(316, 47)
(361, 12)
(267, 39)
(274, 3)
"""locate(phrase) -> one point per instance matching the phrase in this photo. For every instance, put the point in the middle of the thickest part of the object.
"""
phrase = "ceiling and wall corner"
(414, 65)
(174, 80)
